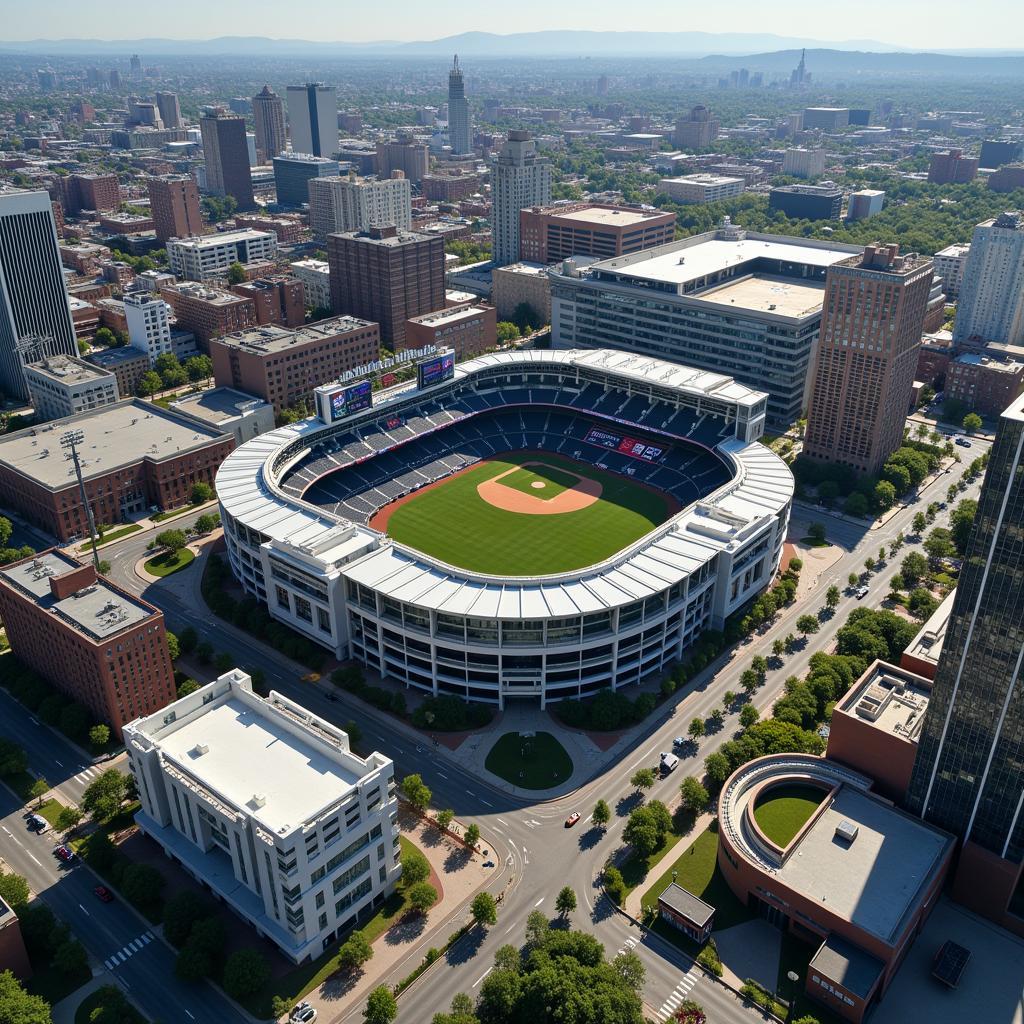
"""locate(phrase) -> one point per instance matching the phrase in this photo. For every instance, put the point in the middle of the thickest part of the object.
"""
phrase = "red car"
(572, 819)
(65, 853)
(104, 894)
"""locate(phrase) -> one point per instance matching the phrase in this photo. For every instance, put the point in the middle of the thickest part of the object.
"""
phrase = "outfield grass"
(544, 765)
(165, 564)
(453, 523)
(784, 810)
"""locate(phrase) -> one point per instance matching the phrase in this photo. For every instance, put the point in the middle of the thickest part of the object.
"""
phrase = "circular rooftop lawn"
(535, 762)
(782, 811)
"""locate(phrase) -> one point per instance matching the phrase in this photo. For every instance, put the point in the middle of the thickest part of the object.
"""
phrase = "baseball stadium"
(539, 524)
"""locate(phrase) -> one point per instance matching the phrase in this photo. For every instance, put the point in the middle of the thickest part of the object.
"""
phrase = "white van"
(669, 763)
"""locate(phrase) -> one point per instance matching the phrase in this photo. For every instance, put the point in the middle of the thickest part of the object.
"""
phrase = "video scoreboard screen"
(435, 370)
(354, 398)
(625, 445)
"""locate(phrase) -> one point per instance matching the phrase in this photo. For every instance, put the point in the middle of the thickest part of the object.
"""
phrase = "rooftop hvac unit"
(847, 831)
(201, 748)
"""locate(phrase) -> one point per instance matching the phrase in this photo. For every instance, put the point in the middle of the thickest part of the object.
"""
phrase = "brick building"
(386, 276)
(99, 644)
(174, 204)
(13, 954)
(91, 192)
(518, 283)
(289, 230)
(126, 364)
(403, 154)
(952, 168)
(933, 358)
(208, 312)
(85, 318)
(284, 366)
(278, 300)
(551, 233)
(125, 223)
(467, 329)
(134, 454)
(449, 188)
(1007, 179)
(984, 385)
(83, 258)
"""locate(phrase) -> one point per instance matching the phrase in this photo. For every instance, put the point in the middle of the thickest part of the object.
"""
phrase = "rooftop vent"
(847, 831)
(258, 800)
(201, 748)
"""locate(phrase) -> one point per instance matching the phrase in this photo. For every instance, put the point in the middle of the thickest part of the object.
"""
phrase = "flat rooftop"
(67, 371)
(99, 610)
(623, 217)
(527, 269)
(927, 645)
(702, 178)
(252, 752)
(766, 294)
(216, 296)
(114, 436)
(447, 316)
(894, 700)
(113, 356)
(270, 338)
(218, 405)
(875, 880)
(222, 238)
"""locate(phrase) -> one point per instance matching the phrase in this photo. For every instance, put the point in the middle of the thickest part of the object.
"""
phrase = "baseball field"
(526, 514)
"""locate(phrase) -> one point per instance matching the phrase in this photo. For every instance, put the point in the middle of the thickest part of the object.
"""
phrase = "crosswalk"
(681, 992)
(125, 952)
(87, 775)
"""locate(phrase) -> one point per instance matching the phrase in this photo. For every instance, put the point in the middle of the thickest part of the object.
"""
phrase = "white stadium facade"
(321, 569)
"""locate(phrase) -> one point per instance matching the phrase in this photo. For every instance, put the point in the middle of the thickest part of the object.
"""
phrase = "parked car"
(65, 853)
(37, 823)
(572, 819)
(861, 591)
(304, 1013)
(103, 894)
(678, 742)
(963, 442)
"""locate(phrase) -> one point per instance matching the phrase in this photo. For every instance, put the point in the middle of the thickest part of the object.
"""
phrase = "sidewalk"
(64, 1011)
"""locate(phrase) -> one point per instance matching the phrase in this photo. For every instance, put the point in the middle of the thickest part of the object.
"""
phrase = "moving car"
(103, 894)
(962, 441)
(861, 591)
(304, 1013)
(669, 763)
(65, 853)
(572, 819)
(678, 742)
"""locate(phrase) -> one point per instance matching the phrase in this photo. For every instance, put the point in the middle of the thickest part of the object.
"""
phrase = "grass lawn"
(636, 870)
(111, 535)
(813, 542)
(50, 809)
(544, 765)
(453, 523)
(168, 562)
(171, 513)
(697, 871)
(293, 985)
(784, 810)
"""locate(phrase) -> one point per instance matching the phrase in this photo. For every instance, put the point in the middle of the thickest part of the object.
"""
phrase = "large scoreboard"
(435, 370)
(334, 402)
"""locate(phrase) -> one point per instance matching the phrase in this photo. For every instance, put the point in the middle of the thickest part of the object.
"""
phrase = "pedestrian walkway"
(126, 951)
(64, 1011)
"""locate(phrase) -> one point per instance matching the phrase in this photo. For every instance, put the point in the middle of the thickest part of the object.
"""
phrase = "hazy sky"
(911, 23)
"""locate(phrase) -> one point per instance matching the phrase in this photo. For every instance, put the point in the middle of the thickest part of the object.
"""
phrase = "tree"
(188, 686)
(198, 957)
(472, 835)
(149, 384)
(972, 423)
(807, 624)
(13, 759)
(643, 778)
(748, 715)
(103, 797)
(716, 719)
(507, 331)
(816, 531)
(920, 522)
(381, 1007)
(68, 818)
(70, 958)
(921, 604)
(422, 896)
(142, 885)
(884, 495)
(717, 768)
(832, 596)
(748, 680)
(38, 790)
(690, 1012)
(415, 867)
(444, 819)
(236, 273)
(939, 544)
(206, 523)
(170, 371)
(13, 889)
(960, 523)
(246, 971)
(647, 827)
(187, 639)
(172, 540)
(201, 493)
(565, 901)
(415, 790)
(355, 951)
(484, 908)
(614, 884)
(853, 579)
(694, 796)
(181, 912)
(537, 928)
(17, 1006)
(759, 664)
(602, 814)
(696, 728)
(198, 368)
(105, 336)
(630, 969)
(728, 699)
(913, 567)
(856, 505)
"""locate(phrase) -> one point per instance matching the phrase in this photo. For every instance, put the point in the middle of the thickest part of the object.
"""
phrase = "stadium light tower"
(70, 441)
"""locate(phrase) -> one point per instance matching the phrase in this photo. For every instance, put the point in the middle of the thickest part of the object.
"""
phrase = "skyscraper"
(520, 177)
(35, 321)
(174, 204)
(170, 109)
(696, 132)
(460, 124)
(226, 152)
(313, 118)
(991, 306)
(268, 116)
(968, 776)
(863, 371)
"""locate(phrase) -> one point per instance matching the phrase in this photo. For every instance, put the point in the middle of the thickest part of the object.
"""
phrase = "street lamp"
(793, 978)
(70, 442)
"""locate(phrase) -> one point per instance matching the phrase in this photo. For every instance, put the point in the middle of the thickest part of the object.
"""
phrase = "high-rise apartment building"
(91, 192)
(35, 320)
(170, 109)
(991, 306)
(294, 171)
(280, 299)
(460, 123)
(226, 152)
(268, 117)
(313, 118)
(174, 205)
(952, 168)
(967, 775)
(403, 154)
(520, 177)
(149, 323)
(386, 276)
(353, 204)
(697, 131)
(803, 163)
(997, 152)
(864, 367)
(949, 267)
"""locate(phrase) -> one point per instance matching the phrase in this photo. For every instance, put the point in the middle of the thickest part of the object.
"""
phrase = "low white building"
(149, 323)
(208, 256)
(949, 265)
(316, 279)
(265, 803)
(62, 386)
(234, 412)
(804, 163)
(701, 188)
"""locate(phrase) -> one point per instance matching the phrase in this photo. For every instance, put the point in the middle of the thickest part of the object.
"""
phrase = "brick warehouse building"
(93, 641)
(135, 455)
(208, 312)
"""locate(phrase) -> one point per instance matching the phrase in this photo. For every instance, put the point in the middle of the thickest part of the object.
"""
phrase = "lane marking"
(442, 774)
(484, 802)
(482, 976)
(56, 762)
(502, 820)
(189, 1012)
(33, 857)
(540, 901)
(83, 910)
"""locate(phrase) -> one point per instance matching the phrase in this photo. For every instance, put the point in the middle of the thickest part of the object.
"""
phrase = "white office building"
(149, 323)
(949, 266)
(265, 803)
(991, 306)
(35, 321)
(315, 276)
(520, 177)
(313, 118)
(62, 386)
(203, 257)
(804, 163)
(339, 203)
(701, 188)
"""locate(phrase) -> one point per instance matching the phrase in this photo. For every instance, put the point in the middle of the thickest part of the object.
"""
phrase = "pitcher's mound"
(578, 495)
